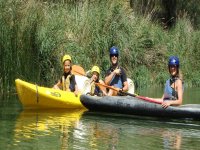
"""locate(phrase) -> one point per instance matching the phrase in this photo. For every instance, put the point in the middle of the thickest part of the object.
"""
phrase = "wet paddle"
(126, 93)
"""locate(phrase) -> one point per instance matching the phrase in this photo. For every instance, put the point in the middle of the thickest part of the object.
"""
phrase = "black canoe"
(135, 106)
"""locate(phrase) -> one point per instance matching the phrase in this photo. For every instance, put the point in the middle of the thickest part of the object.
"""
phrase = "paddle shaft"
(133, 95)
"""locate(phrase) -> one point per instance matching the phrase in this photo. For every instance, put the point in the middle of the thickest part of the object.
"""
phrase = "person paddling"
(116, 75)
(173, 92)
(67, 81)
(96, 90)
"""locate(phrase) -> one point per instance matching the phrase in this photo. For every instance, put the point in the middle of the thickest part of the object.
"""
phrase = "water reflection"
(121, 132)
(103, 136)
(33, 124)
(171, 140)
(165, 138)
(77, 129)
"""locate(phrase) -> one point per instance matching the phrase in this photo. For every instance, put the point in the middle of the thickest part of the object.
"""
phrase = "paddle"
(126, 93)
(78, 70)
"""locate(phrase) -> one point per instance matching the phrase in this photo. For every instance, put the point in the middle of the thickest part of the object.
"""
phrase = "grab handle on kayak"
(37, 94)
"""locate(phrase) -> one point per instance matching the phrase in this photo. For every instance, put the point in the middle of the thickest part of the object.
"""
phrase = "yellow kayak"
(34, 96)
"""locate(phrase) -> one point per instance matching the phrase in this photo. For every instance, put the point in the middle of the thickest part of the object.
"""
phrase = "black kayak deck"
(135, 106)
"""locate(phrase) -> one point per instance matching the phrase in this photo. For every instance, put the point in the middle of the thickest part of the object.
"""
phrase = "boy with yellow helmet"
(95, 90)
(67, 81)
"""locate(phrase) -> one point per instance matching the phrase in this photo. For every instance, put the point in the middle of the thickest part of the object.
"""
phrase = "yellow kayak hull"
(34, 96)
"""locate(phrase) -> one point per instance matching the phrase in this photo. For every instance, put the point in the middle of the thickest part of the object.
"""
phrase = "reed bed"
(34, 35)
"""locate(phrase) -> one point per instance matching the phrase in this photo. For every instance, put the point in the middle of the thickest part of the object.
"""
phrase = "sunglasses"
(172, 66)
(112, 55)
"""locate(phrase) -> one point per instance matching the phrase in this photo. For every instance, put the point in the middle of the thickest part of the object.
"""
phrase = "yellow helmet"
(96, 68)
(66, 57)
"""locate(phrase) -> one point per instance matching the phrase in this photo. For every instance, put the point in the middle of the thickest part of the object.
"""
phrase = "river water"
(82, 130)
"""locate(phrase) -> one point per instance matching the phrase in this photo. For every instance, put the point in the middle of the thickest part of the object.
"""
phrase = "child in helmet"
(173, 92)
(67, 81)
(96, 90)
(116, 75)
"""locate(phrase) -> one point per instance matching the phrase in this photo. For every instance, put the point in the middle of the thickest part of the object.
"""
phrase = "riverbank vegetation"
(34, 36)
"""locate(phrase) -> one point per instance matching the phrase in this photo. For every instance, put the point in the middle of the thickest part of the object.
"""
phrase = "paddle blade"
(78, 70)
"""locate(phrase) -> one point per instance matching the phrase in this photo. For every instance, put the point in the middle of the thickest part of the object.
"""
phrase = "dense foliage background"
(35, 34)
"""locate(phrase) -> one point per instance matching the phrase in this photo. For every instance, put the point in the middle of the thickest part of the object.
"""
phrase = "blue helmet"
(173, 60)
(114, 51)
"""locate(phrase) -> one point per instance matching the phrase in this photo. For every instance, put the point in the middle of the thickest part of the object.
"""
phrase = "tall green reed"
(36, 34)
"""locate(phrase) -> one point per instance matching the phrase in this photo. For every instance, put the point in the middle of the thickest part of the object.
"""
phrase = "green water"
(77, 129)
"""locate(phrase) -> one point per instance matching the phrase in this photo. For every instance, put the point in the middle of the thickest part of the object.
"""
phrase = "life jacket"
(170, 93)
(95, 90)
(117, 81)
(66, 83)
(92, 90)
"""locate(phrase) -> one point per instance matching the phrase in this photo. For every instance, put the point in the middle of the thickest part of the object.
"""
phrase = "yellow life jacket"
(66, 82)
(92, 88)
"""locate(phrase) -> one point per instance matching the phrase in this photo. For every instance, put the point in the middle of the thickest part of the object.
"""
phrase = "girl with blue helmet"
(173, 92)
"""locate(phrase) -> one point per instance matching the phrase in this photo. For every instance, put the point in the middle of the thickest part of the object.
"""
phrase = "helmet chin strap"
(173, 77)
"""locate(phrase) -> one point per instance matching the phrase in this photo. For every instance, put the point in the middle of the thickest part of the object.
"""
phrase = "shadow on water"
(145, 120)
